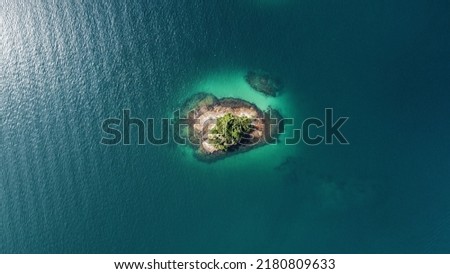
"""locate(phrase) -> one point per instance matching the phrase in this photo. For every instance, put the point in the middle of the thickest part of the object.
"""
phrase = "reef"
(264, 82)
(217, 128)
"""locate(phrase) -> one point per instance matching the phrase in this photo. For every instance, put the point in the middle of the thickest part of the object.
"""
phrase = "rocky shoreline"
(202, 112)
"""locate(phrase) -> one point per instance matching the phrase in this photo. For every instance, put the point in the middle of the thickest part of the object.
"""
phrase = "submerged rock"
(263, 82)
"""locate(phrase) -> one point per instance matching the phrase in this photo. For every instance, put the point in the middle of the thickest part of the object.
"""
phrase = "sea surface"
(66, 66)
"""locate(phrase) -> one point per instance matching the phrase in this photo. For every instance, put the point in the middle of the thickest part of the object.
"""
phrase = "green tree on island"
(229, 130)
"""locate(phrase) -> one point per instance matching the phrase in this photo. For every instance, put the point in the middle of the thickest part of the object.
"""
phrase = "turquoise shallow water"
(66, 67)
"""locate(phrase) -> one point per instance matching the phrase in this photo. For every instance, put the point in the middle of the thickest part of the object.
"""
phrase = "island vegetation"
(229, 130)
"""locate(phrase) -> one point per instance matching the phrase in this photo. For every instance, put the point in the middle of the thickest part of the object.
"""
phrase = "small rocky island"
(221, 127)
(264, 82)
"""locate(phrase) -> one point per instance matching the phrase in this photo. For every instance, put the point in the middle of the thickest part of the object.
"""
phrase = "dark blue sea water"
(68, 65)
